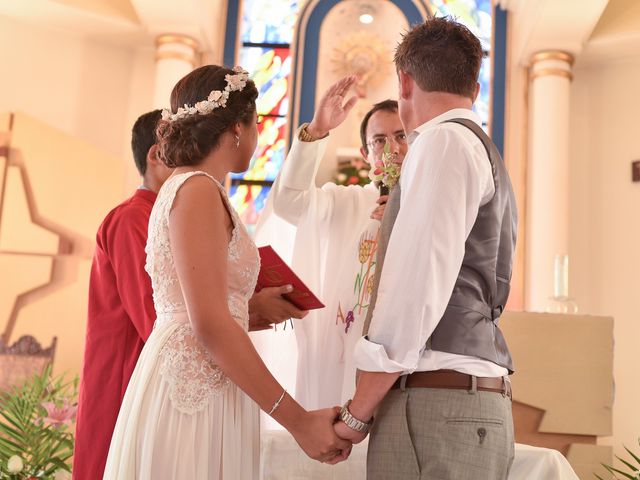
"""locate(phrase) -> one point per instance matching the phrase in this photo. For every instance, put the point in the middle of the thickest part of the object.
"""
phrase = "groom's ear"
(405, 83)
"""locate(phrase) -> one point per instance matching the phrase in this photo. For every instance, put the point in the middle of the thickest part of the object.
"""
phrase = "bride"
(191, 408)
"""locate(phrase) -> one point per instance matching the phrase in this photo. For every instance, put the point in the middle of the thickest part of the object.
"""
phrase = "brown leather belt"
(454, 380)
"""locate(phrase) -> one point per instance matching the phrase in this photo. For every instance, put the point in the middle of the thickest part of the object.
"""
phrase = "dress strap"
(173, 185)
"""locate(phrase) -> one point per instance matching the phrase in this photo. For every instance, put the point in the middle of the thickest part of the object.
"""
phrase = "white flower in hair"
(215, 96)
(204, 107)
(235, 82)
(215, 99)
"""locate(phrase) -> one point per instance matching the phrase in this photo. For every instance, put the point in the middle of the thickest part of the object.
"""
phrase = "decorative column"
(176, 55)
(547, 209)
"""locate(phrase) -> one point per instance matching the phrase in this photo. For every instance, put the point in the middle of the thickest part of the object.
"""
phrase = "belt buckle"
(506, 387)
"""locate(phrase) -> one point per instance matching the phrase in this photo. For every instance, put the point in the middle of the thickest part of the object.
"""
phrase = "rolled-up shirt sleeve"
(442, 187)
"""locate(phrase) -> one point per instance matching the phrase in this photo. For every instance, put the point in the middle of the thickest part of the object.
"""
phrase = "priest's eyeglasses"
(378, 142)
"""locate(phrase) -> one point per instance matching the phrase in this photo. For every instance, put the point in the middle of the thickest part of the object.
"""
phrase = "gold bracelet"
(277, 404)
(305, 136)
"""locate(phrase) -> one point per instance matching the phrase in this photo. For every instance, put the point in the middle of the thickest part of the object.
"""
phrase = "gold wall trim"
(177, 38)
(176, 56)
(552, 55)
(544, 72)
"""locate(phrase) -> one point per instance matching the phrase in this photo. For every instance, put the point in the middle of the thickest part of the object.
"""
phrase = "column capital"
(177, 46)
(552, 55)
(556, 63)
(165, 38)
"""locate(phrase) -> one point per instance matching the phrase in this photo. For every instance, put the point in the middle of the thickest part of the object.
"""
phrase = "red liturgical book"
(275, 273)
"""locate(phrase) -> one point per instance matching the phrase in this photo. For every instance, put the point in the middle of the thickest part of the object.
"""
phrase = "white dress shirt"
(446, 178)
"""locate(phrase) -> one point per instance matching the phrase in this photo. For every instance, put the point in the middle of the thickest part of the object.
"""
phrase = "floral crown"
(216, 98)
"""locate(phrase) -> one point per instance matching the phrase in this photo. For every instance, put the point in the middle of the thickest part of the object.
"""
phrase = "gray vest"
(469, 325)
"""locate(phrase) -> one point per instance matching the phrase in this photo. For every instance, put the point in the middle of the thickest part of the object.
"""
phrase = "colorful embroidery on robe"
(363, 286)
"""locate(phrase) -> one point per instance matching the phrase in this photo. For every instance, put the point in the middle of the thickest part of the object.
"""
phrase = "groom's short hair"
(441, 55)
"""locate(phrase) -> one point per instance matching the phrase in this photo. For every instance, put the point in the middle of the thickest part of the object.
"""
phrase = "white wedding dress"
(181, 417)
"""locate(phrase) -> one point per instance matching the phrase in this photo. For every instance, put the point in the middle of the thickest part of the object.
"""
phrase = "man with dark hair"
(121, 312)
(434, 364)
(336, 230)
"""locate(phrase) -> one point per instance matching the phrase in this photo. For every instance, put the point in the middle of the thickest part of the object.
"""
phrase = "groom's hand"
(347, 433)
(268, 307)
(332, 109)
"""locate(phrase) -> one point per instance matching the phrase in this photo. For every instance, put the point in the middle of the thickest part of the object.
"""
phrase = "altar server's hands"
(378, 212)
(268, 307)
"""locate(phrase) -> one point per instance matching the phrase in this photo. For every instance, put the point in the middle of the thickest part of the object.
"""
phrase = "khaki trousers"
(441, 434)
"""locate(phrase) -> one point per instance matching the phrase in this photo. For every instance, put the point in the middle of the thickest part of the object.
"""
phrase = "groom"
(433, 361)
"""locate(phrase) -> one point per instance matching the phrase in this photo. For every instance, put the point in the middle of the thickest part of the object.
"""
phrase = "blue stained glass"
(269, 21)
(475, 14)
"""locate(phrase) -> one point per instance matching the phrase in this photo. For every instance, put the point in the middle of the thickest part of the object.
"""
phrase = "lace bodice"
(184, 362)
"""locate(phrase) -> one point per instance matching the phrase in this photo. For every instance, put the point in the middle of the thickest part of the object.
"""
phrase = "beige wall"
(605, 220)
(88, 89)
(81, 98)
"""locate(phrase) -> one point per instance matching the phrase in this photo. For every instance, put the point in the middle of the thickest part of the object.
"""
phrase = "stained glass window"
(477, 16)
(266, 32)
(269, 21)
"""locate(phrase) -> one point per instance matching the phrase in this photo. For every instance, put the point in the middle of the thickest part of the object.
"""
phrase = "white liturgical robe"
(327, 236)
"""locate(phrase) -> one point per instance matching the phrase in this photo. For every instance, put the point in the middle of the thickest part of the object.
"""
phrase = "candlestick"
(561, 276)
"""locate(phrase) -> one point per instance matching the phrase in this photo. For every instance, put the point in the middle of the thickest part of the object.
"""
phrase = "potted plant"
(36, 439)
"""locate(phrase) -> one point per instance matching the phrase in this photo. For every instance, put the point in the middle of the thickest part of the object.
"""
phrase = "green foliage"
(44, 445)
(631, 467)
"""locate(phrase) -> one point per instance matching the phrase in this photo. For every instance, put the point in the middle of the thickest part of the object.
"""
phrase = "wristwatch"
(352, 422)
(305, 136)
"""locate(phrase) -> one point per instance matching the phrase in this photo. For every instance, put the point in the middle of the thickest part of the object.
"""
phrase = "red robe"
(121, 316)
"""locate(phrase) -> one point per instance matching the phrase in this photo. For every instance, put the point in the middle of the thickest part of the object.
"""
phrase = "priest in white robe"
(329, 235)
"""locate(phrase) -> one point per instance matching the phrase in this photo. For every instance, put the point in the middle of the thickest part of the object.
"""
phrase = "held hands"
(343, 431)
(332, 110)
(316, 436)
(378, 212)
(268, 307)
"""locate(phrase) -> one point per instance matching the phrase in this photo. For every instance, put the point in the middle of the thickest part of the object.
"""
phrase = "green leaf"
(631, 467)
(615, 470)
(44, 448)
(635, 457)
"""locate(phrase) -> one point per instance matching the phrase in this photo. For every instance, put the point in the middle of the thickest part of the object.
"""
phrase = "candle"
(561, 276)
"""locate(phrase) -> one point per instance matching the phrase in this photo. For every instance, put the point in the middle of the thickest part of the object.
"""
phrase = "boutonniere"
(386, 170)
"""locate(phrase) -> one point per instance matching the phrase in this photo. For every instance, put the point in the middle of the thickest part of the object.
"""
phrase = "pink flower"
(377, 171)
(57, 416)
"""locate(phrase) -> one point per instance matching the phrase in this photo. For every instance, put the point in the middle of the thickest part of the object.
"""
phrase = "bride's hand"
(332, 109)
(316, 436)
